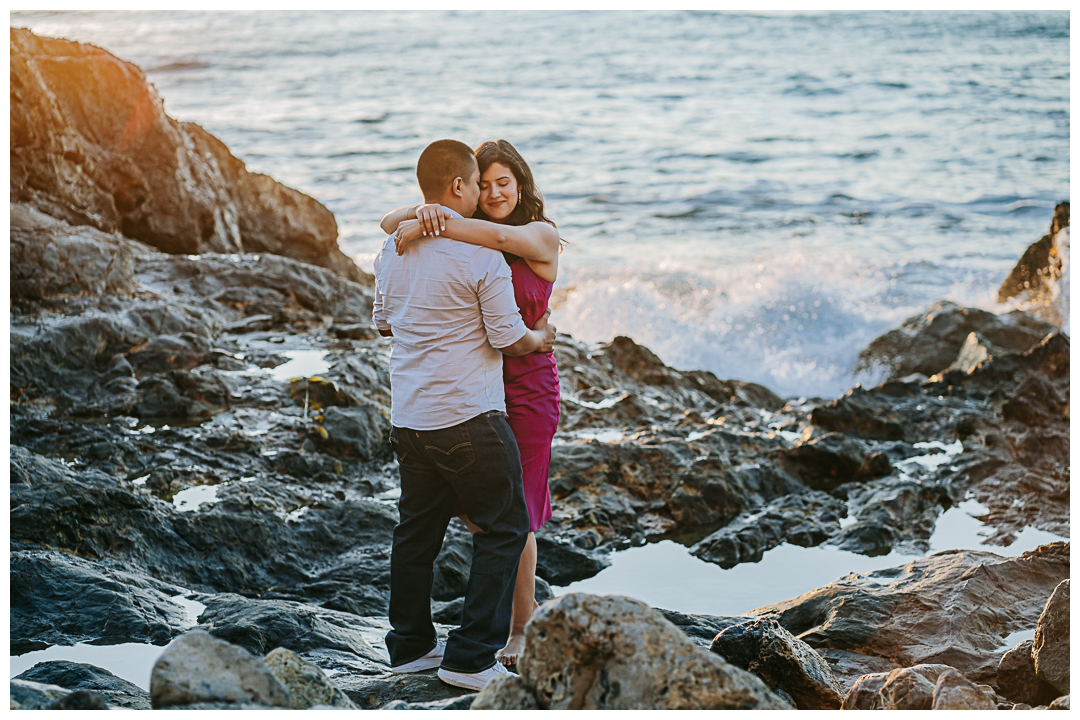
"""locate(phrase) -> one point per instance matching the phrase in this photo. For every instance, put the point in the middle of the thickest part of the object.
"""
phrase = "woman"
(510, 218)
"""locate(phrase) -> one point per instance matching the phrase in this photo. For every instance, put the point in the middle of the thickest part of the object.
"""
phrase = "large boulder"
(91, 144)
(360, 431)
(1050, 650)
(783, 661)
(613, 653)
(369, 692)
(334, 554)
(908, 688)
(1040, 279)
(847, 667)
(1017, 680)
(260, 626)
(50, 257)
(61, 599)
(951, 608)
(81, 676)
(199, 668)
(929, 343)
(307, 684)
(955, 692)
(806, 519)
(31, 695)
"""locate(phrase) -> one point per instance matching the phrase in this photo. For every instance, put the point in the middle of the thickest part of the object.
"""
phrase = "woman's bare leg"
(524, 604)
(524, 599)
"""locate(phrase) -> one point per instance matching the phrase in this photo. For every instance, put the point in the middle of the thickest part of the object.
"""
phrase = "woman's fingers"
(428, 215)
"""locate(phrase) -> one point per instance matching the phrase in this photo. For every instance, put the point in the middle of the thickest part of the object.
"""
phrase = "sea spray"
(794, 323)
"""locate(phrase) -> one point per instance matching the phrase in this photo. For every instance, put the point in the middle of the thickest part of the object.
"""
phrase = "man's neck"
(453, 202)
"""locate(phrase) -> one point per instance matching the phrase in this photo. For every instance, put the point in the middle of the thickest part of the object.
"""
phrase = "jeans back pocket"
(450, 449)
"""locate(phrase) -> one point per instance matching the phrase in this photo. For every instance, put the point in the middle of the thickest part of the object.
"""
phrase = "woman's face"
(498, 192)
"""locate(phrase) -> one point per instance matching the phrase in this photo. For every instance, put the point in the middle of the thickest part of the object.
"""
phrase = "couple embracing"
(463, 292)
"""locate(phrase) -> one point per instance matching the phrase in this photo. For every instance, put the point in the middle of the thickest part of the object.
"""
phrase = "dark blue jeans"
(477, 462)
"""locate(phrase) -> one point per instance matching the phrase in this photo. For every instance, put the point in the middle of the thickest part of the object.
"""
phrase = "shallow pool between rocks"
(664, 574)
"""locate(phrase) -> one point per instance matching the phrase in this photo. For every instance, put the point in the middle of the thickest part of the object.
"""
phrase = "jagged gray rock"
(909, 688)
(949, 608)
(30, 695)
(783, 661)
(199, 668)
(374, 691)
(82, 676)
(955, 692)
(929, 342)
(1017, 679)
(62, 599)
(595, 653)
(1050, 650)
(308, 686)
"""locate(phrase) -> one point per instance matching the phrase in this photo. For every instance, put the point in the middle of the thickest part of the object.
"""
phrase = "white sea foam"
(794, 323)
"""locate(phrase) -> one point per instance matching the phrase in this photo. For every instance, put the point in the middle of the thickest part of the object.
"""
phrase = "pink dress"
(532, 396)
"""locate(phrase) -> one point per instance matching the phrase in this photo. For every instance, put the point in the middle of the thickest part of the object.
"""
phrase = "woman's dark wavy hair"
(531, 207)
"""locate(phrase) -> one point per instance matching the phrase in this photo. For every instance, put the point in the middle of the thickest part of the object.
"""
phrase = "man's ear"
(456, 187)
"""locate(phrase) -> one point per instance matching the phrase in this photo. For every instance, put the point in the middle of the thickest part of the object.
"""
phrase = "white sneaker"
(431, 660)
(473, 681)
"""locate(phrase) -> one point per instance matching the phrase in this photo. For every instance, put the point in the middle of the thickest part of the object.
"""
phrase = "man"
(449, 307)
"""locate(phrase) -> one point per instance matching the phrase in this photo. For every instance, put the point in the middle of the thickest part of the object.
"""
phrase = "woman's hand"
(432, 218)
(407, 231)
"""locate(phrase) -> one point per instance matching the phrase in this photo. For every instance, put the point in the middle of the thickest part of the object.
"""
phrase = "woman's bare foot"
(509, 655)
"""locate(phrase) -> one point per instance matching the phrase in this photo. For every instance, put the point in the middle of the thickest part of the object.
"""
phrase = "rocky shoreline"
(199, 407)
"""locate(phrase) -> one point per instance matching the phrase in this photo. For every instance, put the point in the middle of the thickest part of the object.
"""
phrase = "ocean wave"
(794, 323)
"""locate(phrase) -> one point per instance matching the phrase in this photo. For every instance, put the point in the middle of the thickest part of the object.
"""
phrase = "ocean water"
(754, 194)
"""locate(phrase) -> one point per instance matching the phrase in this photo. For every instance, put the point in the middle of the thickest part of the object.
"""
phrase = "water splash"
(794, 323)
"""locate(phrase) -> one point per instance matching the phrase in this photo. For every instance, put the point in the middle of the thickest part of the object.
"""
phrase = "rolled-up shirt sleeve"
(378, 313)
(495, 290)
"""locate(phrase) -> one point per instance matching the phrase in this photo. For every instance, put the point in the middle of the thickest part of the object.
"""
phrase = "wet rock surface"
(929, 343)
(949, 608)
(1041, 271)
(847, 667)
(62, 599)
(211, 427)
(74, 676)
(261, 626)
(806, 520)
(417, 688)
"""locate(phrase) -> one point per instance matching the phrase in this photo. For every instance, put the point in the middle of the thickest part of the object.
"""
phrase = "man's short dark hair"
(440, 163)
